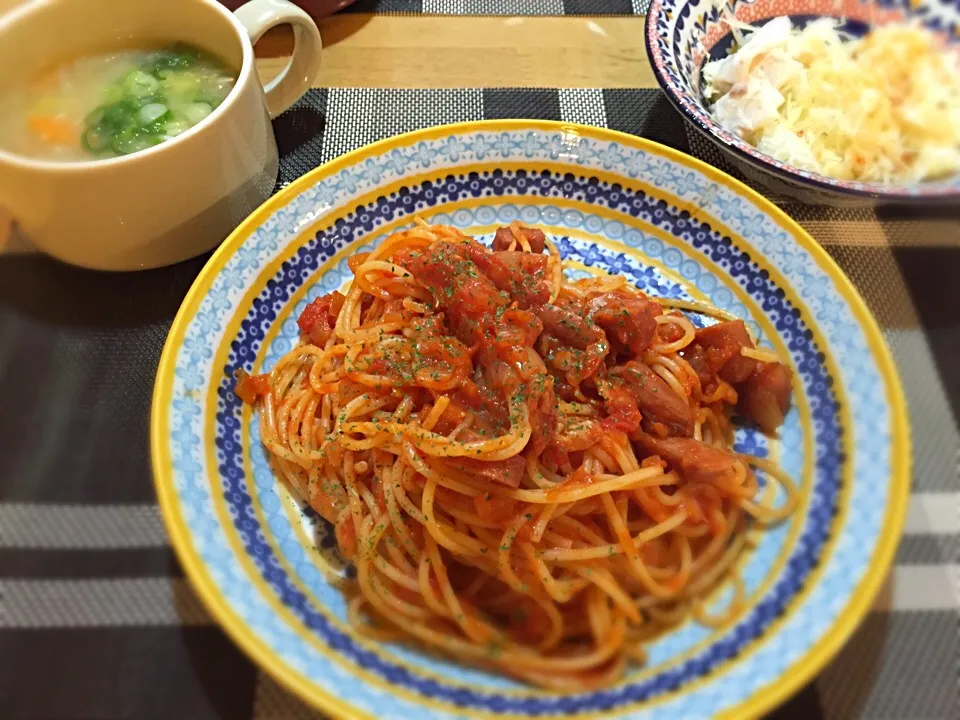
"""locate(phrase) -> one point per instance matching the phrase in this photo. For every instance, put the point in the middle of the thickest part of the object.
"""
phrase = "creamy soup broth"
(112, 104)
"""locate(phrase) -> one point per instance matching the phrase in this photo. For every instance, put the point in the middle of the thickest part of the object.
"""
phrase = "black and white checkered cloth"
(501, 7)
(96, 618)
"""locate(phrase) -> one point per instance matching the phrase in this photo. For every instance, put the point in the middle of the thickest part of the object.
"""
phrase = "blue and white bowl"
(683, 35)
(614, 204)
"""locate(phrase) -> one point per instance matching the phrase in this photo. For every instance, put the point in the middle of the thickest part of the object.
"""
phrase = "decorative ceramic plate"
(613, 203)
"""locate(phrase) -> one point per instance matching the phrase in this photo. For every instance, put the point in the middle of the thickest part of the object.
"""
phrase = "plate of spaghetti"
(529, 419)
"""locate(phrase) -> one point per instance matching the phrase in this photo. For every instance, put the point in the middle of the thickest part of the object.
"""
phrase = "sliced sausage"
(507, 472)
(535, 238)
(692, 459)
(568, 327)
(655, 399)
(722, 343)
(765, 397)
(629, 320)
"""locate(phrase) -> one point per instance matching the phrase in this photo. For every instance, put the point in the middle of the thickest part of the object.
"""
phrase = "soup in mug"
(112, 104)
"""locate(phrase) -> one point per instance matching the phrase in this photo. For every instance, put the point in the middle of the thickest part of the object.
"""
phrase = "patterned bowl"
(682, 35)
(613, 203)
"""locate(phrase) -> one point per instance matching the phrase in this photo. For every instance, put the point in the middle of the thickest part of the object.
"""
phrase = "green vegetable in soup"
(95, 140)
(153, 113)
(177, 57)
(176, 127)
(180, 84)
(195, 112)
(140, 84)
(171, 91)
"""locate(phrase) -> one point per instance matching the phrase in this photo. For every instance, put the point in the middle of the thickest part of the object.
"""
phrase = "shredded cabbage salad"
(884, 108)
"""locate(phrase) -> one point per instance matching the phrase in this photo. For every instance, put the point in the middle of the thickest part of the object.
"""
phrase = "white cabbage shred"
(884, 108)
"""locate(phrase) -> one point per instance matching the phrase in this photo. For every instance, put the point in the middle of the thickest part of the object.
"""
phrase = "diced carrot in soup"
(54, 129)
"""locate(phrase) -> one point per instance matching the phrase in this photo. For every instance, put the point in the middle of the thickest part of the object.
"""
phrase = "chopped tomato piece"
(516, 329)
(445, 497)
(319, 317)
(520, 276)
(494, 508)
(622, 412)
(327, 498)
(250, 388)
(355, 261)
(528, 623)
(542, 402)
(440, 361)
(346, 533)
(468, 297)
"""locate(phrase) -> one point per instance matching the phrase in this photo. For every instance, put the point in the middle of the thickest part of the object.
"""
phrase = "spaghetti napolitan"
(528, 472)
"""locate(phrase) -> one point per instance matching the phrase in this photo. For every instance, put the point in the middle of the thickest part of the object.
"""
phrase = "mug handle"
(297, 77)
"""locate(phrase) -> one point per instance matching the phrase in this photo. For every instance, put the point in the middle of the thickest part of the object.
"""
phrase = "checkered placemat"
(501, 7)
(96, 618)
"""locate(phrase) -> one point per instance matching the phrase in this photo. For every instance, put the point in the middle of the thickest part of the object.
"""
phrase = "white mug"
(175, 200)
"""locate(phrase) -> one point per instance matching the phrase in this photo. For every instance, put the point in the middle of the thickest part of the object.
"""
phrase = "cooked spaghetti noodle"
(528, 473)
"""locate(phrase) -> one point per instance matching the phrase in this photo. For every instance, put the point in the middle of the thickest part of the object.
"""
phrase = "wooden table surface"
(441, 52)
(445, 52)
